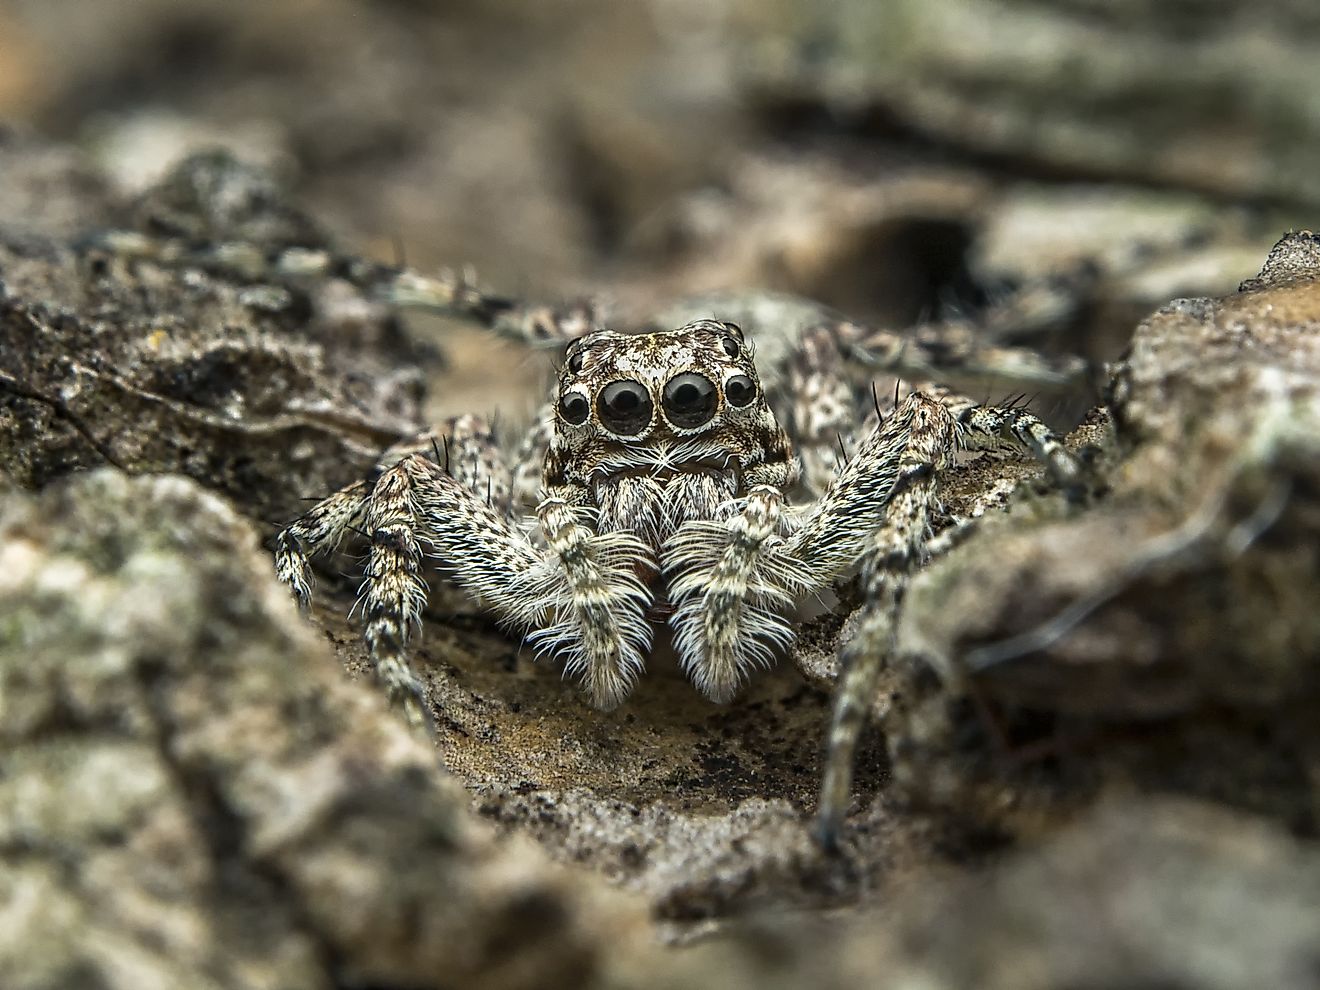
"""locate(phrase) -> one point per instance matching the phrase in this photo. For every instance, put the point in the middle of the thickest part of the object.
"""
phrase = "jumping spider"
(664, 502)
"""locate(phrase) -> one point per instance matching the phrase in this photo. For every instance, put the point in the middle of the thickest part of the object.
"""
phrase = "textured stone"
(264, 392)
(1168, 638)
(192, 795)
(1210, 95)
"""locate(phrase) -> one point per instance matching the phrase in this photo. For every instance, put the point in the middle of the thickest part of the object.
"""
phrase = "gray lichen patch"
(1168, 639)
(193, 796)
(264, 391)
(1208, 95)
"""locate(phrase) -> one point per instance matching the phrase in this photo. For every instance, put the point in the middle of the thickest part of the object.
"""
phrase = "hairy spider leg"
(734, 582)
(897, 550)
(579, 596)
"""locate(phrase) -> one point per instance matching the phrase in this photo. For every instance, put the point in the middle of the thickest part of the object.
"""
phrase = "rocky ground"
(1097, 762)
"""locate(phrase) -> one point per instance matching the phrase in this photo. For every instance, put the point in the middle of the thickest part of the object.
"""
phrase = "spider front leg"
(383, 511)
(734, 582)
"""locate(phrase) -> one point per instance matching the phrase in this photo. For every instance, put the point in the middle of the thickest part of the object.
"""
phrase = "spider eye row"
(688, 400)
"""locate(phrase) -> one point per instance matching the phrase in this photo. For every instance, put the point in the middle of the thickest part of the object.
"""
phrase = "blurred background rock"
(899, 161)
(1074, 164)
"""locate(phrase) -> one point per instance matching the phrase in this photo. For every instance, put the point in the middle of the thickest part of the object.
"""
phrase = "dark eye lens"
(574, 407)
(624, 407)
(731, 346)
(739, 390)
(575, 362)
(690, 400)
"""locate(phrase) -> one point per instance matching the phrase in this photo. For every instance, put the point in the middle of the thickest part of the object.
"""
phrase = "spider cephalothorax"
(663, 500)
(657, 429)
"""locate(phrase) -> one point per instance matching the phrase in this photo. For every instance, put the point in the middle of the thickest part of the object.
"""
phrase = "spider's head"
(661, 404)
(633, 389)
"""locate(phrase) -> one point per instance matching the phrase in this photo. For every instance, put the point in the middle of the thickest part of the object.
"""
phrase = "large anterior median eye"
(739, 390)
(574, 407)
(624, 407)
(690, 400)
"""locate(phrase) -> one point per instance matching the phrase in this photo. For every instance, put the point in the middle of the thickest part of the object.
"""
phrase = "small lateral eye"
(575, 361)
(574, 407)
(739, 390)
(731, 346)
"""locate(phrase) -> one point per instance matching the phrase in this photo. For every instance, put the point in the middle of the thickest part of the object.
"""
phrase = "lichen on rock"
(192, 795)
(1166, 639)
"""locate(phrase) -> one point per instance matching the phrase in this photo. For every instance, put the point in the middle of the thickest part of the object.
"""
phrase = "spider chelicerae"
(664, 505)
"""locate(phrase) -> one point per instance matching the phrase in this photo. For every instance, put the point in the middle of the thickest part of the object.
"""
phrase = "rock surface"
(193, 796)
(192, 793)
(1207, 94)
(264, 392)
(1166, 640)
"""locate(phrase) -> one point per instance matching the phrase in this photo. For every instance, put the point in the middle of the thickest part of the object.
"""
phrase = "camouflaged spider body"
(646, 434)
(654, 432)
(664, 501)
